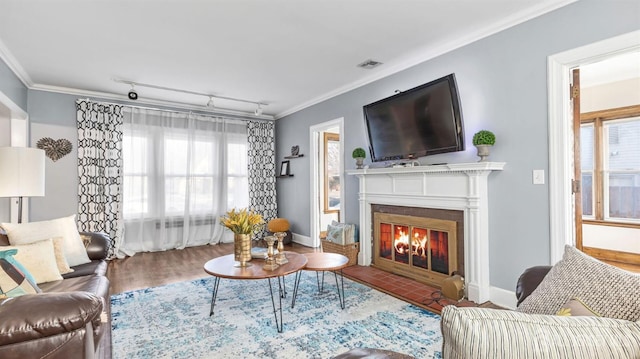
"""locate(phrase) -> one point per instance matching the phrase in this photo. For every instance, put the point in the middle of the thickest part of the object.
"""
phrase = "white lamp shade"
(21, 172)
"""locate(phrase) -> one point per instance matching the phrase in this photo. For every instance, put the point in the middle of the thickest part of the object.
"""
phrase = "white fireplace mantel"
(456, 186)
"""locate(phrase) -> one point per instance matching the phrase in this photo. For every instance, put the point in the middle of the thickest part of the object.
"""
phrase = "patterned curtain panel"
(262, 170)
(99, 169)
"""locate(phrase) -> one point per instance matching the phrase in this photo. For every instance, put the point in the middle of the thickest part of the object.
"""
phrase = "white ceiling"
(287, 53)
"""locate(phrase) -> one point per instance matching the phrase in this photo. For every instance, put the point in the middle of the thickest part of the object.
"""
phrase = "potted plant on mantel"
(359, 155)
(483, 140)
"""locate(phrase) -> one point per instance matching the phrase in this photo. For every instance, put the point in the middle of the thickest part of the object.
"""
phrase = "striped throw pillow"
(483, 333)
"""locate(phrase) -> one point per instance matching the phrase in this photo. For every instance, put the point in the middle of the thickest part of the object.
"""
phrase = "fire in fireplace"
(420, 248)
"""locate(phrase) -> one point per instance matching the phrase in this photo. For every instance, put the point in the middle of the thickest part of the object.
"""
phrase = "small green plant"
(484, 137)
(359, 153)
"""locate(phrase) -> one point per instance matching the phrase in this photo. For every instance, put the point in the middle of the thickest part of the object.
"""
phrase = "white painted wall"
(611, 95)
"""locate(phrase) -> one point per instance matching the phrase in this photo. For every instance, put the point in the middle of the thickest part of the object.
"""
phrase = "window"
(610, 165)
(331, 172)
(184, 172)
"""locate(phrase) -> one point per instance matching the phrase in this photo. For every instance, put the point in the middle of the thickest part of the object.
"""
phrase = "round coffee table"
(322, 262)
(223, 267)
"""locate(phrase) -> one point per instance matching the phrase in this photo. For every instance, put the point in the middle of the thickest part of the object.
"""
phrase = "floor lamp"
(21, 173)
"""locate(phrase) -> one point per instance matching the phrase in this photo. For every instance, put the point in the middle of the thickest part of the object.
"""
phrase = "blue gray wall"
(12, 87)
(502, 82)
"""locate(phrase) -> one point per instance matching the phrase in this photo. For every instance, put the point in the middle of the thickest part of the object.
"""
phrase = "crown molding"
(431, 52)
(14, 65)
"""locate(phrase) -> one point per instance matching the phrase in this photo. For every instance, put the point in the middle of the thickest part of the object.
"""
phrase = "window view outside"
(168, 167)
(620, 172)
(587, 163)
(622, 169)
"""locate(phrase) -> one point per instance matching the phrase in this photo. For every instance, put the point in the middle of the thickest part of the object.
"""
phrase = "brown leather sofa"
(529, 280)
(55, 323)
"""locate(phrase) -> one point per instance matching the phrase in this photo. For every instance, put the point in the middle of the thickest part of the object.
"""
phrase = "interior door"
(577, 168)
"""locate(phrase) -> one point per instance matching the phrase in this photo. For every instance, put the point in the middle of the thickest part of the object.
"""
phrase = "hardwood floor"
(153, 269)
(145, 270)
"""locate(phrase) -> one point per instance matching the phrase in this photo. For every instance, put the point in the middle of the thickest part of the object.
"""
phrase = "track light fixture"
(133, 95)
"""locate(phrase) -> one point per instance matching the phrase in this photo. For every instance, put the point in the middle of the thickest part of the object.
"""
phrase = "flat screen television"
(422, 121)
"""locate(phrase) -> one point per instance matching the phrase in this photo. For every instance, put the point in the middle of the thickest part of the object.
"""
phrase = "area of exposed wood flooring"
(152, 269)
(145, 270)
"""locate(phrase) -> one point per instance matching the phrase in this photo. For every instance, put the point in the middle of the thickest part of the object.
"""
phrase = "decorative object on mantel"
(359, 155)
(54, 149)
(483, 140)
(242, 223)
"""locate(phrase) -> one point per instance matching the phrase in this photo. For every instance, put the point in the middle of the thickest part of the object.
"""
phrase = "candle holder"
(281, 258)
(270, 261)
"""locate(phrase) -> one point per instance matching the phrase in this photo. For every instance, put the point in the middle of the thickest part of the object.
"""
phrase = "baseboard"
(503, 298)
(304, 240)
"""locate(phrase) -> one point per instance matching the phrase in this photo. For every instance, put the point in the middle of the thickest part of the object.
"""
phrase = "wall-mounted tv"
(422, 121)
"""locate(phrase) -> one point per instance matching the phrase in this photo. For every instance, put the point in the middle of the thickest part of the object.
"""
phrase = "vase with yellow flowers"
(242, 223)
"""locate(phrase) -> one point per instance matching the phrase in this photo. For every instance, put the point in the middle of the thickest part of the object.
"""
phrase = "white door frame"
(314, 145)
(561, 134)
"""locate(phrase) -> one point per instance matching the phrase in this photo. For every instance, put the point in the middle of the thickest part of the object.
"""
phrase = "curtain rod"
(185, 111)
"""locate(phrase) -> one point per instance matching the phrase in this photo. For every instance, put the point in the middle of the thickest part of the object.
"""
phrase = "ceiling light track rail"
(210, 103)
(189, 111)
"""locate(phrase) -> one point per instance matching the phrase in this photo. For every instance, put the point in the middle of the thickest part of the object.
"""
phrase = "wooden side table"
(222, 267)
(322, 262)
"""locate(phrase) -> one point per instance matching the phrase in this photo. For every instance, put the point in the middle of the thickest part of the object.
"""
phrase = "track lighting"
(133, 95)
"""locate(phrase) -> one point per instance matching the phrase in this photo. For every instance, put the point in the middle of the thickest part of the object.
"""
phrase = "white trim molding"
(461, 186)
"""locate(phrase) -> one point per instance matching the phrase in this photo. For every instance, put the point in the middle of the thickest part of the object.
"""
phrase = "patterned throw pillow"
(608, 290)
(576, 308)
(15, 280)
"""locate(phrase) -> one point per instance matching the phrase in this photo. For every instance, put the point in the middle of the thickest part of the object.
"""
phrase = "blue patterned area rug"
(173, 321)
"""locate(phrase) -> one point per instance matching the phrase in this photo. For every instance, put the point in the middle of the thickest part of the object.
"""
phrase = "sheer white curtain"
(181, 173)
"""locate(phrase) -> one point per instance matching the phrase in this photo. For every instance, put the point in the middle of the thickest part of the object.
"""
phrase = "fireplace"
(424, 244)
(460, 187)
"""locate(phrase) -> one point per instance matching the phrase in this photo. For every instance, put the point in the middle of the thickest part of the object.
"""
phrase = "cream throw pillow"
(482, 333)
(74, 250)
(61, 260)
(39, 259)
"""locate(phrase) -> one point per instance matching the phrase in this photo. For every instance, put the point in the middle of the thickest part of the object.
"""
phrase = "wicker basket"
(349, 250)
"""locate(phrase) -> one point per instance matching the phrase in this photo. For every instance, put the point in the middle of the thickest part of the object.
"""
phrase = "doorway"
(327, 175)
(606, 130)
(561, 132)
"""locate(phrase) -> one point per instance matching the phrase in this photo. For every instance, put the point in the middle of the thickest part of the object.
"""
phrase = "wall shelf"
(287, 169)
